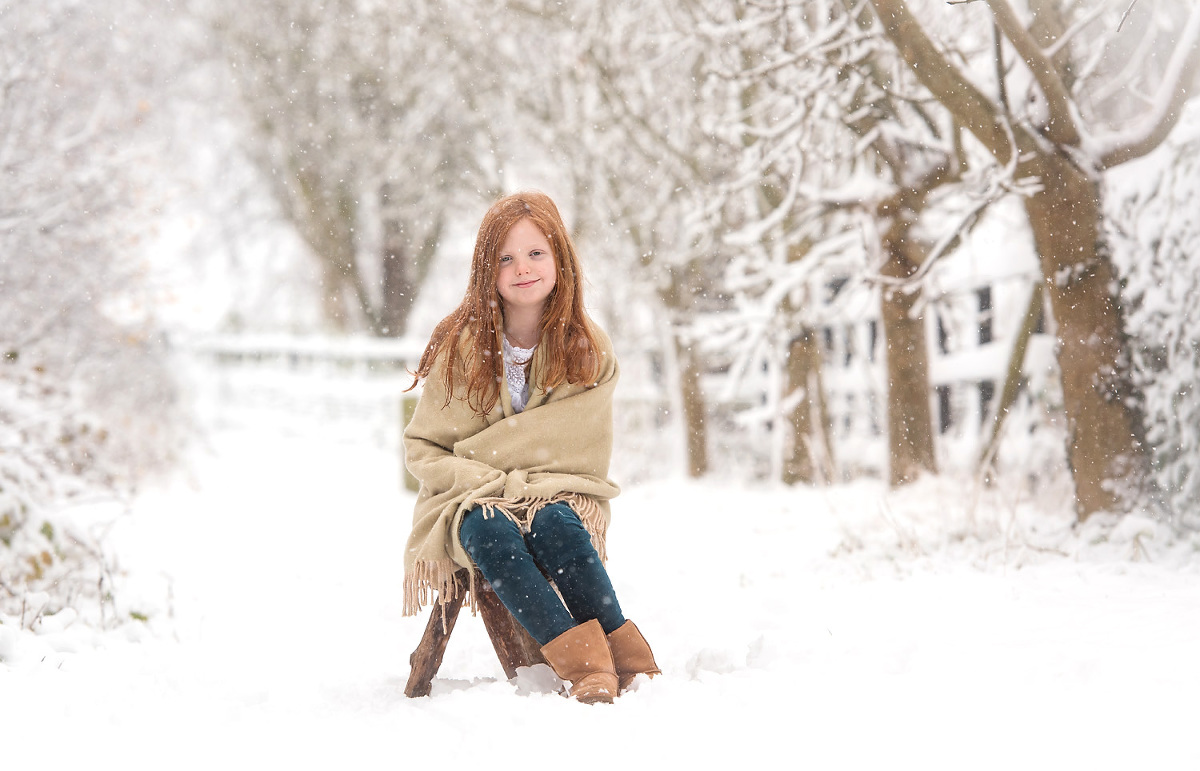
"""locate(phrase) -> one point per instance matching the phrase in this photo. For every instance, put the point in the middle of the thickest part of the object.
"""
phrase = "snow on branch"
(947, 83)
(1077, 27)
(1062, 128)
(1002, 185)
(1119, 147)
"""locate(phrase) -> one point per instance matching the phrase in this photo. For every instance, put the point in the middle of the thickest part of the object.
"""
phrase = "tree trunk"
(808, 459)
(1105, 450)
(405, 262)
(909, 417)
(329, 232)
(694, 418)
(334, 292)
(398, 284)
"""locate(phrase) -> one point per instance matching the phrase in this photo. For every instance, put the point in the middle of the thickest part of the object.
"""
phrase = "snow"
(935, 627)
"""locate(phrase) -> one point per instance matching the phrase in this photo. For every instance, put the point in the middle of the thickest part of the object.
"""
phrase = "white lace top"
(515, 362)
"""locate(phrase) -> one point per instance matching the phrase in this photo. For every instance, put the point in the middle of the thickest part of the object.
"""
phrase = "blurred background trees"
(1061, 136)
(374, 124)
(88, 405)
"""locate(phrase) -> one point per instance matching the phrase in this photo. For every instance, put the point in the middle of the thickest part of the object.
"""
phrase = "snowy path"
(787, 635)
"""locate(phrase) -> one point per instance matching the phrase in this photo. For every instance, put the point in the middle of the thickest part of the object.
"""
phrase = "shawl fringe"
(442, 576)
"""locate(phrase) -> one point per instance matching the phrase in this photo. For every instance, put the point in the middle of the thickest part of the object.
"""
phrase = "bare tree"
(372, 120)
(621, 113)
(835, 140)
(1058, 135)
(774, 227)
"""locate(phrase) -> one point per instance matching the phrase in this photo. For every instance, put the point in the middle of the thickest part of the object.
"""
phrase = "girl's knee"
(555, 519)
(479, 533)
(558, 528)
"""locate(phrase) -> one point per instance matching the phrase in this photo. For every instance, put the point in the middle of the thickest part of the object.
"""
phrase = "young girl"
(511, 442)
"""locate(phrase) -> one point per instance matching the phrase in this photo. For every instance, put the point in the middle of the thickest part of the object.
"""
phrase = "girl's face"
(527, 269)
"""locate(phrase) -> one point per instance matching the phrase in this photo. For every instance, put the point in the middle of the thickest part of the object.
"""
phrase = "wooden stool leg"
(514, 646)
(427, 658)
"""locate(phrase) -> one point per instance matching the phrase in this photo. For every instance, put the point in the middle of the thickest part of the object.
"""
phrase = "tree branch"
(1173, 93)
(1061, 129)
(968, 105)
(1125, 15)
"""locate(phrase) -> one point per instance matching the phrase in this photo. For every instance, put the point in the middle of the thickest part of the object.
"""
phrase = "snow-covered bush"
(51, 452)
(87, 402)
(1155, 235)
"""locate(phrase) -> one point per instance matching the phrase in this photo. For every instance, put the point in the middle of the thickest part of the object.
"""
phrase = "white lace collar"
(515, 362)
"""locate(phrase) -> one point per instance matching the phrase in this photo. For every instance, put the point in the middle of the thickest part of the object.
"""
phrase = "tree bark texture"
(695, 420)
(513, 645)
(405, 261)
(909, 416)
(1105, 447)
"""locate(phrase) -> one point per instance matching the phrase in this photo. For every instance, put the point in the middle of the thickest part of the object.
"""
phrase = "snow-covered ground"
(840, 628)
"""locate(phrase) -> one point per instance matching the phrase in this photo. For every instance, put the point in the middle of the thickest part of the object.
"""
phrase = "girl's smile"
(527, 268)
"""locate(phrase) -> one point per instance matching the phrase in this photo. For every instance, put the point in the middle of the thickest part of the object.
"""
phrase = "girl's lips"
(526, 284)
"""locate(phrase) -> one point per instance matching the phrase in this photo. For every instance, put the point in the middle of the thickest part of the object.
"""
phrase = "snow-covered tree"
(87, 402)
(773, 230)
(781, 209)
(618, 104)
(374, 122)
(1051, 107)
(841, 152)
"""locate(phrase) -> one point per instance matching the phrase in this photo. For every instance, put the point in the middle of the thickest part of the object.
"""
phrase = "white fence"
(351, 386)
(355, 387)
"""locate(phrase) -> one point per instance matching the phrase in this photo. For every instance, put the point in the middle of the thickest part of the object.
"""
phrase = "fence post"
(408, 405)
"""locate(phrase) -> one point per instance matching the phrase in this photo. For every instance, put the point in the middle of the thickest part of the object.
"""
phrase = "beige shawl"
(557, 449)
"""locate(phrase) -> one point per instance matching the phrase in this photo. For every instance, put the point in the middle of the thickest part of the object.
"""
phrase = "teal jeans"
(519, 566)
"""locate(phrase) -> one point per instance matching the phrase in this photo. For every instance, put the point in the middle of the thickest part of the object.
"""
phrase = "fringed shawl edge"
(442, 576)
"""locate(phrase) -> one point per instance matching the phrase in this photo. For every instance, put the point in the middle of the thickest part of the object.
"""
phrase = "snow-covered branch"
(968, 104)
(1061, 126)
(1119, 147)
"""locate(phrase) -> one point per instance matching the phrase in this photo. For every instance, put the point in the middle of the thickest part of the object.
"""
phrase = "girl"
(511, 442)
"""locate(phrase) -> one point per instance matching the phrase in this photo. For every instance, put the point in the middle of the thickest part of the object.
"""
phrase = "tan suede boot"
(631, 654)
(581, 657)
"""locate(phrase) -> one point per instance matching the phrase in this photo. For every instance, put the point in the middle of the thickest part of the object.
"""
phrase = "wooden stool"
(514, 646)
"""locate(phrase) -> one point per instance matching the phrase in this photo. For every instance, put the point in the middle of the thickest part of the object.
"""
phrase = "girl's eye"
(505, 259)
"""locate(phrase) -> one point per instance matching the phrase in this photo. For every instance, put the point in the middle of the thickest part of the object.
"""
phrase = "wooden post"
(427, 658)
(408, 405)
(513, 645)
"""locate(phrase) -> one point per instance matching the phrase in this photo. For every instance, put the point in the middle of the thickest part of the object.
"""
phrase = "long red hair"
(566, 344)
